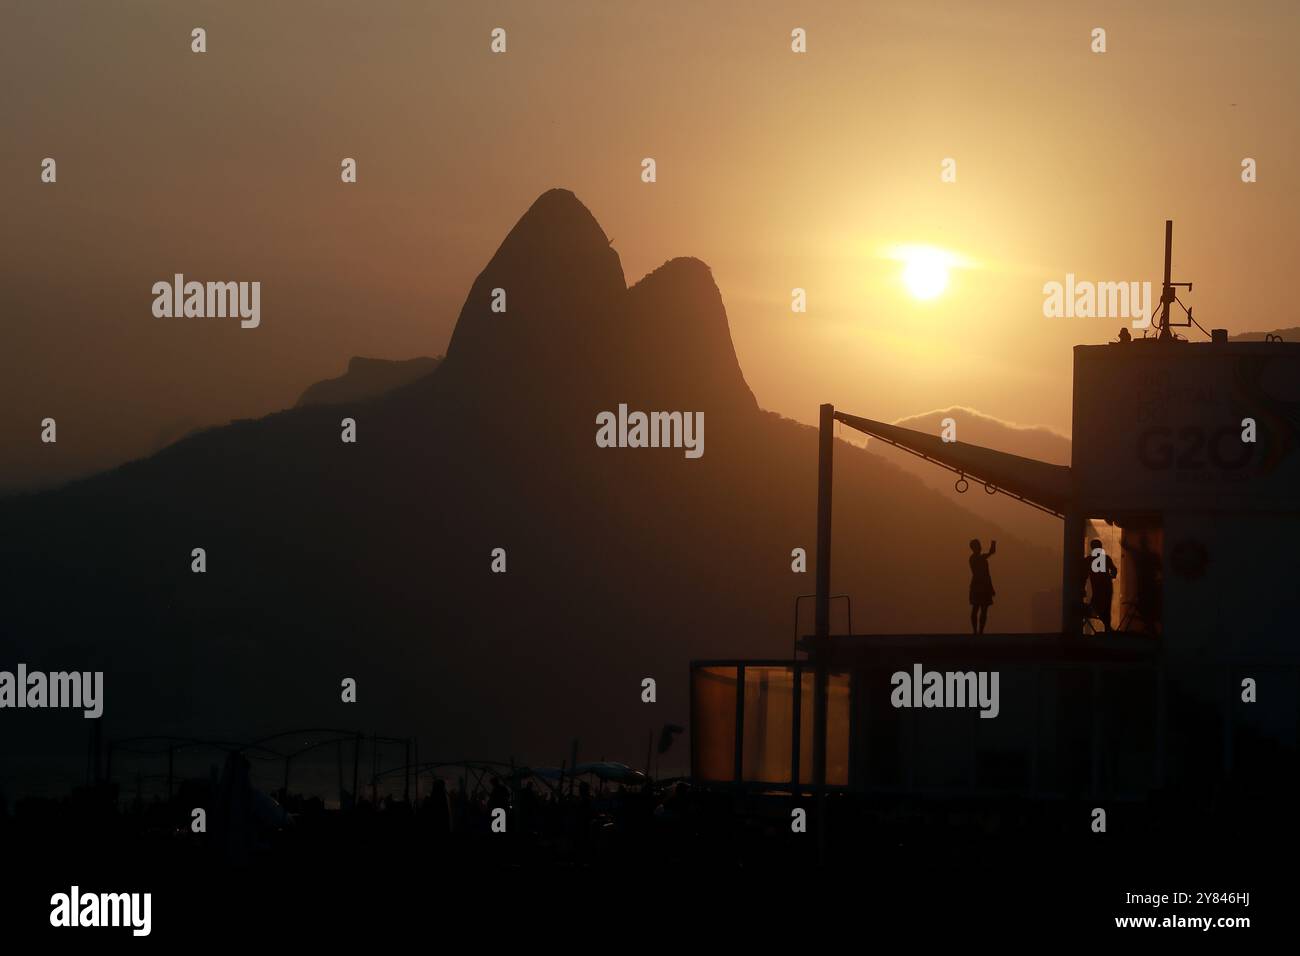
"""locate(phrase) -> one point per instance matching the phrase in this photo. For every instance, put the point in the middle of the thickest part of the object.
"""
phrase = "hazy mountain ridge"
(978, 428)
(1034, 527)
(367, 378)
(1291, 334)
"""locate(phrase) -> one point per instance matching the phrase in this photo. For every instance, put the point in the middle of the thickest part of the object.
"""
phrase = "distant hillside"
(1031, 525)
(1289, 335)
(366, 378)
(371, 560)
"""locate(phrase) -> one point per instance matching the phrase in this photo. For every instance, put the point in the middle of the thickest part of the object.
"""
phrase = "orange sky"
(777, 169)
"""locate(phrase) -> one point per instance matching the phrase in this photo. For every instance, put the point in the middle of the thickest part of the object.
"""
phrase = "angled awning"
(1038, 483)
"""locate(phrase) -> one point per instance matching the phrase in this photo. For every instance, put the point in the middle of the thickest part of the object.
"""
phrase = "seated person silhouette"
(981, 585)
(1102, 589)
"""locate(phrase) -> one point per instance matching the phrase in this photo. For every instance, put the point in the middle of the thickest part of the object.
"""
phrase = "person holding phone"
(981, 585)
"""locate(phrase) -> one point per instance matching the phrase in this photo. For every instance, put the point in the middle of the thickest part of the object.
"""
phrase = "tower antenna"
(1168, 296)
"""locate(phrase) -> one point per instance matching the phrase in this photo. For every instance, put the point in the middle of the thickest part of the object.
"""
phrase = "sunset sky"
(779, 170)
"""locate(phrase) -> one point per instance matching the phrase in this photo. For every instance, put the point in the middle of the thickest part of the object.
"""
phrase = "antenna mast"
(1167, 294)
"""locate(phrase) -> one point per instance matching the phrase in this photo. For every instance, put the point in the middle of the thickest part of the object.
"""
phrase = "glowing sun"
(925, 271)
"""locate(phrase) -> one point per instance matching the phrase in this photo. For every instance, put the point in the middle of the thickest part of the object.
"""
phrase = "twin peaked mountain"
(574, 332)
(372, 560)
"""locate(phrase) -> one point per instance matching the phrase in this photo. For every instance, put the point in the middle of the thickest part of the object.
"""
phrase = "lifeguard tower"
(1185, 462)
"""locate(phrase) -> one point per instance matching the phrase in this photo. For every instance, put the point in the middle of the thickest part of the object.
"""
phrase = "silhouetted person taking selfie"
(981, 585)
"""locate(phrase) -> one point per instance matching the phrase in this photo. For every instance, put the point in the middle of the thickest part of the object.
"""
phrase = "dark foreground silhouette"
(394, 863)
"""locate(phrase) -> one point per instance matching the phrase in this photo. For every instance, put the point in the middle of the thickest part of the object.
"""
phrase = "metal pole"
(821, 639)
(796, 672)
(738, 748)
(825, 453)
(1166, 293)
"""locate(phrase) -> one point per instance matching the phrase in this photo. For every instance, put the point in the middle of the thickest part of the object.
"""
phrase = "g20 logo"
(1193, 447)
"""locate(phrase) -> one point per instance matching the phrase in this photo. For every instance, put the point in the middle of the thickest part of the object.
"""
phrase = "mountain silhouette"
(1290, 334)
(663, 344)
(976, 428)
(366, 378)
(372, 560)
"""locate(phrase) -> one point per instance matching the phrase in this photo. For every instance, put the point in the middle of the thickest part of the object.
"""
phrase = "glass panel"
(1125, 593)
(1139, 597)
(769, 716)
(806, 726)
(1099, 585)
(837, 729)
(713, 756)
